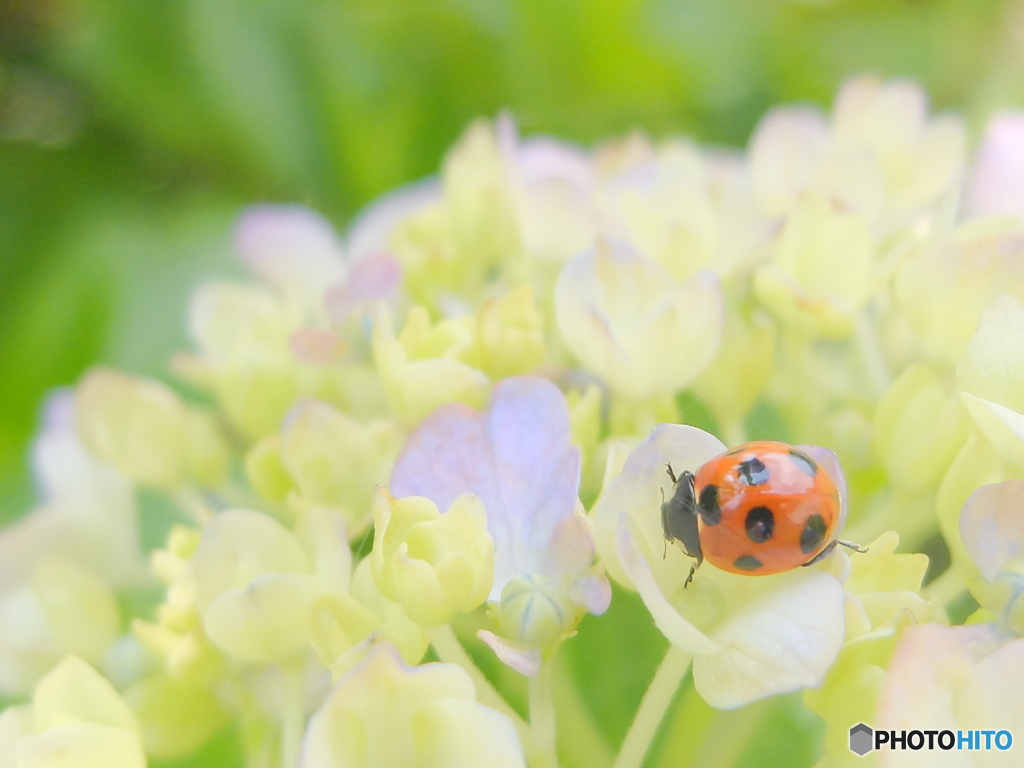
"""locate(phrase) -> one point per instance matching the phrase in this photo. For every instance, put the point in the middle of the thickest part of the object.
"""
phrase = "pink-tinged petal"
(446, 456)
(994, 697)
(375, 278)
(570, 549)
(592, 592)
(829, 461)
(317, 345)
(543, 158)
(59, 410)
(523, 659)
(930, 665)
(290, 247)
(992, 526)
(373, 228)
(785, 151)
(996, 183)
(517, 456)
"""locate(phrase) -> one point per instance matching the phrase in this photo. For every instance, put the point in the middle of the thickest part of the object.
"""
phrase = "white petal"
(992, 365)
(638, 490)
(680, 632)
(622, 314)
(785, 640)
(89, 515)
(1004, 427)
(453, 733)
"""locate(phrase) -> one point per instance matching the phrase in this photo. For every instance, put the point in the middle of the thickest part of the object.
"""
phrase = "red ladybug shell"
(764, 507)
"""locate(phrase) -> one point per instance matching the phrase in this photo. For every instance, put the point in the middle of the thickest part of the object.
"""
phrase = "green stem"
(450, 650)
(542, 718)
(653, 706)
(581, 742)
(254, 726)
(293, 721)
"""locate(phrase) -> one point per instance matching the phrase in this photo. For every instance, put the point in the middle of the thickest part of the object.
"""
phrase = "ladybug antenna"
(671, 473)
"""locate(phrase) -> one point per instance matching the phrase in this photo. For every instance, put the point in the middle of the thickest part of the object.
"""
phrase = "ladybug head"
(679, 515)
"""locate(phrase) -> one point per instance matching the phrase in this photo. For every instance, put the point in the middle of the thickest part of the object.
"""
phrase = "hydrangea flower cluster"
(429, 446)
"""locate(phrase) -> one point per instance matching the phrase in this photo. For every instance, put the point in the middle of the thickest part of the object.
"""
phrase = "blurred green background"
(133, 131)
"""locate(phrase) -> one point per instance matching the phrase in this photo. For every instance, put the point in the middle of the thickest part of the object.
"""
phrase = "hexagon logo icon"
(861, 739)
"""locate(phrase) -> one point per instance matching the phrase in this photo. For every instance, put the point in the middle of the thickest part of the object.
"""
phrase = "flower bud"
(341, 622)
(478, 198)
(77, 718)
(510, 335)
(383, 713)
(422, 368)
(266, 471)
(254, 586)
(434, 565)
(137, 425)
(812, 294)
(334, 460)
(622, 314)
(535, 610)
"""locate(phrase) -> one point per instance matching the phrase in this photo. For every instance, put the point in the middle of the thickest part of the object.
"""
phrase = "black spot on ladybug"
(760, 524)
(747, 563)
(813, 534)
(708, 507)
(807, 466)
(753, 471)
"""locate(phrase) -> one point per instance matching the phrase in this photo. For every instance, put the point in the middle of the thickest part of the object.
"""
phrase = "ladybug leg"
(671, 474)
(854, 547)
(823, 554)
(693, 570)
(689, 578)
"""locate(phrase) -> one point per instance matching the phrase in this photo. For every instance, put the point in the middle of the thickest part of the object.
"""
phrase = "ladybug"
(761, 508)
